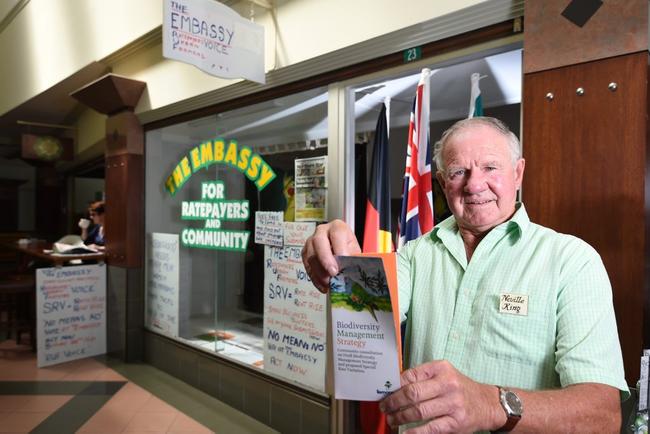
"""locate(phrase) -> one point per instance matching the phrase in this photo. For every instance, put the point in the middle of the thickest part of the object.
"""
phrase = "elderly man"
(510, 324)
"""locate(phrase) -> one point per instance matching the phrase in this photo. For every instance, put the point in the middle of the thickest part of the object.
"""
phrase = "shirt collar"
(518, 222)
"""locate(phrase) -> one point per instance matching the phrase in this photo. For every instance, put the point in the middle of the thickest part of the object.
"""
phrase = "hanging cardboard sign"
(214, 38)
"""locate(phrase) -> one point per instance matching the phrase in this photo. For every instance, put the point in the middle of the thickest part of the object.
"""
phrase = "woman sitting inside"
(95, 236)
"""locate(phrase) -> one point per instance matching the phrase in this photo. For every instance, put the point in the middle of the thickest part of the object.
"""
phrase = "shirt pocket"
(526, 339)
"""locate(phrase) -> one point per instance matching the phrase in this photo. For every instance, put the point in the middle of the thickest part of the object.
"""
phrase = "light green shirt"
(569, 335)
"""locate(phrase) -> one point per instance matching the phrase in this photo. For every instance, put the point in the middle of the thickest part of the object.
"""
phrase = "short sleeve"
(587, 345)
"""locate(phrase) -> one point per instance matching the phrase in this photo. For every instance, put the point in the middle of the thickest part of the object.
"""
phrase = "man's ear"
(519, 172)
(441, 179)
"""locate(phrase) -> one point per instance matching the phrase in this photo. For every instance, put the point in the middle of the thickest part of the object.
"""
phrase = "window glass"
(206, 276)
(449, 101)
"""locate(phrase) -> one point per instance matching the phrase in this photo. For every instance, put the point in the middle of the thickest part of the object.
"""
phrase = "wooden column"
(116, 97)
(585, 107)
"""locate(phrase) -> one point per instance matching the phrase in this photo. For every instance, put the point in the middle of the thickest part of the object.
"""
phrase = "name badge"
(514, 304)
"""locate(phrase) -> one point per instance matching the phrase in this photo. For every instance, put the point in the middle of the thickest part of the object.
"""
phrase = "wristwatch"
(513, 407)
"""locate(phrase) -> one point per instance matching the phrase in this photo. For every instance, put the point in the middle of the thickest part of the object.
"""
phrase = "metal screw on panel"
(580, 91)
(612, 86)
(549, 96)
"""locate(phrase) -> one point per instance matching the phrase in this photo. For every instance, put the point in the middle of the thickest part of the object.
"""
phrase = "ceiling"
(299, 121)
(54, 107)
(293, 122)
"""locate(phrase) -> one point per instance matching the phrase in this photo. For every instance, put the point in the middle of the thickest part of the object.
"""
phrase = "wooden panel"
(585, 171)
(124, 135)
(124, 211)
(618, 27)
(111, 94)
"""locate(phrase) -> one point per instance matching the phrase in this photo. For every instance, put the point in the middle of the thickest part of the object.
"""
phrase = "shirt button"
(455, 336)
(466, 291)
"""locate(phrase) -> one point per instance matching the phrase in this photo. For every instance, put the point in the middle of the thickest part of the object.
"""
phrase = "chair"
(18, 307)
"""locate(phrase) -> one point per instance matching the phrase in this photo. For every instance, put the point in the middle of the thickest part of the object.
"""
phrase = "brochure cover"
(365, 324)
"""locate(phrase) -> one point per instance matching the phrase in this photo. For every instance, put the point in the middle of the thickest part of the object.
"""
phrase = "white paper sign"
(269, 228)
(214, 38)
(295, 333)
(161, 303)
(70, 313)
(296, 233)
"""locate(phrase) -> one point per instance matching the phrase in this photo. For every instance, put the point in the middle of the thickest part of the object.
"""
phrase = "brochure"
(365, 327)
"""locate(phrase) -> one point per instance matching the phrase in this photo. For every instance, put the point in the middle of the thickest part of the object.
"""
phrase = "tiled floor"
(91, 396)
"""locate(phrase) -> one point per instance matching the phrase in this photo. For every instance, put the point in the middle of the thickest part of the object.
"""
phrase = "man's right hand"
(334, 238)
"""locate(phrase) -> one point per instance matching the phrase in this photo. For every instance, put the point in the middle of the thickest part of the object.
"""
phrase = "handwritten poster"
(296, 233)
(161, 311)
(268, 227)
(70, 313)
(364, 323)
(295, 333)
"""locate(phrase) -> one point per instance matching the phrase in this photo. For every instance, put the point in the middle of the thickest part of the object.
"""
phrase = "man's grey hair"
(496, 124)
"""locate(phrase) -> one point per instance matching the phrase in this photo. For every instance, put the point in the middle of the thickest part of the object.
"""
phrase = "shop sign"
(214, 38)
(213, 208)
(217, 151)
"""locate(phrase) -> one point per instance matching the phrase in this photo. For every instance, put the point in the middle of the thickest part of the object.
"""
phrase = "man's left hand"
(447, 401)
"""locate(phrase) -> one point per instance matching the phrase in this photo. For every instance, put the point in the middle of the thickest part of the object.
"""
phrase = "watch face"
(513, 402)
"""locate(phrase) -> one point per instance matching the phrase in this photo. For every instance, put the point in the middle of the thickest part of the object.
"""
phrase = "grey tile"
(315, 418)
(42, 387)
(134, 345)
(257, 399)
(103, 388)
(188, 367)
(209, 376)
(135, 314)
(160, 354)
(285, 411)
(231, 387)
(135, 283)
(72, 415)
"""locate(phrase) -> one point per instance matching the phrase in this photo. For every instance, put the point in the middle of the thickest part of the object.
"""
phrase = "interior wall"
(18, 169)
(50, 40)
(91, 30)
(305, 30)
(91, 128)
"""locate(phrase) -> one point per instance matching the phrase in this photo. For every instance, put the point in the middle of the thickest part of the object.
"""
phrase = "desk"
(35, 250)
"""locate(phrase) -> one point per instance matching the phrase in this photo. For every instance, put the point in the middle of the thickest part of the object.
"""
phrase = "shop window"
(211, 176)
(449, 102)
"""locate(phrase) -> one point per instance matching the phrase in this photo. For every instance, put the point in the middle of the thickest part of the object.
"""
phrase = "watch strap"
(512, 419)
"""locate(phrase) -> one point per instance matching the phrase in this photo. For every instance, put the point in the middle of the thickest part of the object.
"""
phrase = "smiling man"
(510, 324)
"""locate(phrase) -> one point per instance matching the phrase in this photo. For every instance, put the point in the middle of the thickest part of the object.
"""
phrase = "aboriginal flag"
(377, 239)
(377, 233)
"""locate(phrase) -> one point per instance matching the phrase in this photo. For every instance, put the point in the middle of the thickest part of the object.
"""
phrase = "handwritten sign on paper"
(268, 228)
(295, 333)
(296, 233)
(70, 313)
(161, 312)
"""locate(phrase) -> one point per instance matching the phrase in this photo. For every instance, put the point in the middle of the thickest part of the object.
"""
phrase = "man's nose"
(475, 181)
